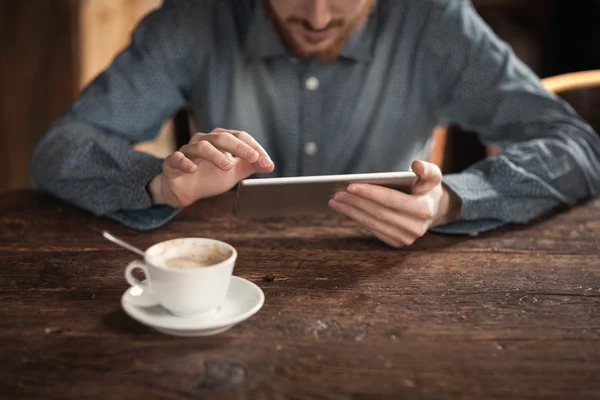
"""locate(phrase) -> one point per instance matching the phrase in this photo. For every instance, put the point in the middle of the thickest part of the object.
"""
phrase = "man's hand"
(398, 218)
(205, 167)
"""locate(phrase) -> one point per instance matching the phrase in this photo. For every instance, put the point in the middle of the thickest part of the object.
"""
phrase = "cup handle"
(147, 296)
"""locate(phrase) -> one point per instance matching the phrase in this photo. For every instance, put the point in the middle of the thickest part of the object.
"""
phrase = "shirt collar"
(263, 40)
(360, 45)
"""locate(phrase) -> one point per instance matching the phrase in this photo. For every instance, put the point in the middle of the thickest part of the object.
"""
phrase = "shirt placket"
(310, 151)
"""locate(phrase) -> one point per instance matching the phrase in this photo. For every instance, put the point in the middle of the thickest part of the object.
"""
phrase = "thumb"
(242, 170)
(429, 176)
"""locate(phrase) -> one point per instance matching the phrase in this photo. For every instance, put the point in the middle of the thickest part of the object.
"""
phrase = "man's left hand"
(397, 218)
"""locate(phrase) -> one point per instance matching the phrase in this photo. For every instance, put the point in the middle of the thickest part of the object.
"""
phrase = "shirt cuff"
(472, 228)
(477, 196)
(145, 220)
(137, 211)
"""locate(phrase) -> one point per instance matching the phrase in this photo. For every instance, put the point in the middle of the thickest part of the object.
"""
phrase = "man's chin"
(318, 47)
(326, 50)
(325, 55)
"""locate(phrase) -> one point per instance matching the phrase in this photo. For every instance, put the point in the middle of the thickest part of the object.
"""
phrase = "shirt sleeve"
(86, 156)
(550, 156)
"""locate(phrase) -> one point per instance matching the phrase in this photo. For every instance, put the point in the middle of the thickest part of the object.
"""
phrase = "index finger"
(264, 161)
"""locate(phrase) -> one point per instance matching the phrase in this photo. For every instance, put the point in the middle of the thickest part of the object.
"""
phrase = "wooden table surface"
(509, 314)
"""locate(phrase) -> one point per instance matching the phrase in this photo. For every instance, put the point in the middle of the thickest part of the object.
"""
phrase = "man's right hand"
(206, 167)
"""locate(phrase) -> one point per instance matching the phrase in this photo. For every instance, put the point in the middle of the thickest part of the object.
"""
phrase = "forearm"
(529, 179)
(97, 172)
(550, 156)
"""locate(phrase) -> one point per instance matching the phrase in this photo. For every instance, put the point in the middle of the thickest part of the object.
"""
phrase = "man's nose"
(319, 14)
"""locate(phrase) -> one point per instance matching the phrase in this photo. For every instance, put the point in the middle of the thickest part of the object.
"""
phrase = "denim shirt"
(414, 65)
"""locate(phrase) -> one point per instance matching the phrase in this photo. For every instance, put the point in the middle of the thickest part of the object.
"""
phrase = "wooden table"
(510, 314)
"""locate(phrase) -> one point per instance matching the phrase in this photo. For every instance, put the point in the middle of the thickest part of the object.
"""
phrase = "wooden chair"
(454, 150)
(582, 91)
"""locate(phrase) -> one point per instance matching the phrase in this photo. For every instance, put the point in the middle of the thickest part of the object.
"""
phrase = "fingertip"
(265, 170)
(191, 167)
(226, 164)
(171, 160)
(418, 167)
(436, 170)
(265, 162)
(184, 164)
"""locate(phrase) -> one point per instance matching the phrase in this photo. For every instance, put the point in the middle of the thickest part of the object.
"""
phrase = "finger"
(264, 163)
(429, 175)
(204, 150)
(413, 226)
(388, 240)
(417, 207)
(228, 143)
(363, 230)
(371, 223)
(243, 170)
(178, 161)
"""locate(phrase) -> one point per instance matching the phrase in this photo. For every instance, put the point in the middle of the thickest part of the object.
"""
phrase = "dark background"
(576, 36)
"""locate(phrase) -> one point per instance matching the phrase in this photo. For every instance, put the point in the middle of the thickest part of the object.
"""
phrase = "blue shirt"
(414, 65)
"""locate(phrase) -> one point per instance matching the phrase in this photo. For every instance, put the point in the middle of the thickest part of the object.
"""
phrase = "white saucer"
(243, 300)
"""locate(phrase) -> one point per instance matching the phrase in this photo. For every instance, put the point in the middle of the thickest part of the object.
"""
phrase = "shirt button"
(312, 83)
(311, 148)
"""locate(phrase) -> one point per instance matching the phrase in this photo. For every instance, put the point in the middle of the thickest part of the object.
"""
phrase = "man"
(321, 87)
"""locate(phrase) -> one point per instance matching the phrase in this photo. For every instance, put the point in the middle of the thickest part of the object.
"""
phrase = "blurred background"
(50, 49)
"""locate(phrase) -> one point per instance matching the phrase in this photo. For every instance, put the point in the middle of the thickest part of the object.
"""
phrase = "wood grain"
(509, 314)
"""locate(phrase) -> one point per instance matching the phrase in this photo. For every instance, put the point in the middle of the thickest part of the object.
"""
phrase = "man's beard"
(332, 51)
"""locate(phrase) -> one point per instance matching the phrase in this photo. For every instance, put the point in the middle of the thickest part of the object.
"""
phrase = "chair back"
(582, 91)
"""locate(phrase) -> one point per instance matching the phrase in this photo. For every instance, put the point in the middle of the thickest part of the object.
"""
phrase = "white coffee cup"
(186, 290)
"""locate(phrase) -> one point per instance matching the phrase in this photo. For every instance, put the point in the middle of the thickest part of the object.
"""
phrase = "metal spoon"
(122, 243)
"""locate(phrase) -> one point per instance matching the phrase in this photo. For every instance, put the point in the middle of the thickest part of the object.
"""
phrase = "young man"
(309, 87)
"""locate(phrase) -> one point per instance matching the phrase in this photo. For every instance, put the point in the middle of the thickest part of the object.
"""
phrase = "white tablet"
(306, 195)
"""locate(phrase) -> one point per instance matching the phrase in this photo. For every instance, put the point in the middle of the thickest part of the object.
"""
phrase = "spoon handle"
(122, 243)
